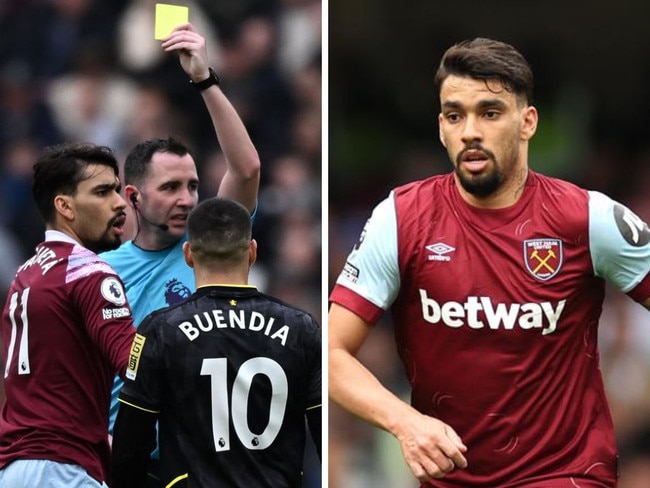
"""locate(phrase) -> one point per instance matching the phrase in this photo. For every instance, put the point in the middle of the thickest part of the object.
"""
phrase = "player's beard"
(106, 242)
(483, 184)
(109, 242)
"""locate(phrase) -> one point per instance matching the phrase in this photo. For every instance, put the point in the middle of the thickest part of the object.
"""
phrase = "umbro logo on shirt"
(439, 251)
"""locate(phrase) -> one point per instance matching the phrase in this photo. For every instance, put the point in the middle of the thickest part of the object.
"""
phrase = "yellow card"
(168, 17)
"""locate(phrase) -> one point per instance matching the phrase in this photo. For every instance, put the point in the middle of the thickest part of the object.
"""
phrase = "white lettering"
(237, 320)
(121, 312)
(267, 331)
(189, 330)
(46, 267)
(259, 318)
(44, 257)
(115, 313)
(453, 314)
(476, 312)
(473, 306)
(552, 315)
(281, 334)
(218, 319)
(435, 257)
(430, 308)
(502, 315)
(199, 323)
(531, 318)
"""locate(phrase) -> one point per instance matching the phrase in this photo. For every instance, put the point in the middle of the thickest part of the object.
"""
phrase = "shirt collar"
(57, 235)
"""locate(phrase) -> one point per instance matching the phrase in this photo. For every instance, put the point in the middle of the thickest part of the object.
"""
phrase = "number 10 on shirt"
(217, 369)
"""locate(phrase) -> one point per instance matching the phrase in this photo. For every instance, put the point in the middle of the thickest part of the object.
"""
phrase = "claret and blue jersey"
(496, 315)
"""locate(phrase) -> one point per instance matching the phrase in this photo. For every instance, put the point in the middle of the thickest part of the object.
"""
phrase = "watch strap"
(212, 79)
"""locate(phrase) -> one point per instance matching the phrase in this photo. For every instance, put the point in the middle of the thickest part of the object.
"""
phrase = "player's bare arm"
(242, 178)
(430, 447)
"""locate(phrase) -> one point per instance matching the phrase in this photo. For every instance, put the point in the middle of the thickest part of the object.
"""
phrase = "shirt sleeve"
(371, 271)
(619, 242)
(143, 382)
(106, 315)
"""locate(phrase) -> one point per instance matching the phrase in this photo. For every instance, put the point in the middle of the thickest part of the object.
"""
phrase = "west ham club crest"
(543, 257)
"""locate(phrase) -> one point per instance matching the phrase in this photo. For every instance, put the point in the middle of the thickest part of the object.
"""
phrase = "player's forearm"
(134, 438)
(116, 342)
(129, 462)
(241, 181)
(353, 387)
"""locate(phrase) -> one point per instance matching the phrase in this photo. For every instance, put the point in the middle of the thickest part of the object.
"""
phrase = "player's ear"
(64, 206)
(529, 125)
(440, 134)
(187, 254)
(252, 252)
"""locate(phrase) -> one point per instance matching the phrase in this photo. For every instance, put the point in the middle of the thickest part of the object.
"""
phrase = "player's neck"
(231, 277)
(505, 196)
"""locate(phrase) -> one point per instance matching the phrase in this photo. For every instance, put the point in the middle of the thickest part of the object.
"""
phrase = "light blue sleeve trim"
(614, 259)
(372, 268)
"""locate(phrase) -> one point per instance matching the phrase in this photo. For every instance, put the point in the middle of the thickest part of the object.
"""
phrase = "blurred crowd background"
(90, 70)
(591, 63)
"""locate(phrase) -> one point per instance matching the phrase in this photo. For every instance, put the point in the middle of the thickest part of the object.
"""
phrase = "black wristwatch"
(213, 79)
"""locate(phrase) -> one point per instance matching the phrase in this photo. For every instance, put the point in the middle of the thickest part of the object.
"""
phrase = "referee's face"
(485, 129)
(168, 194)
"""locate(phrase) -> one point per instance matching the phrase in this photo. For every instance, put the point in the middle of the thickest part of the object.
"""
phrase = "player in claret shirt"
(494, 275)
(66, 328)
(231, 374)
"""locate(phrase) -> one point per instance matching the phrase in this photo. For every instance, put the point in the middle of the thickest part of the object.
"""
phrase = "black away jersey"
(231, 373)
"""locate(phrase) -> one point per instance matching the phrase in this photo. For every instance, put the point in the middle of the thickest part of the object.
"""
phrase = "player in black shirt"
(230, 374)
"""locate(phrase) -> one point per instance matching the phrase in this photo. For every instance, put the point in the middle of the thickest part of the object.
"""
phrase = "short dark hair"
(487, 59)
(60, 169)
(219, 231)
(138, 160)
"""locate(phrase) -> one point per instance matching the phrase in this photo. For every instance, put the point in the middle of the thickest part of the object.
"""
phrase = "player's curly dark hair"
(60, 169)
(487, 59)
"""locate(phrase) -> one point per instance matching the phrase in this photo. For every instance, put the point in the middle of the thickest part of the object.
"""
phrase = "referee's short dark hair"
(219, 230)
(138, 161)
